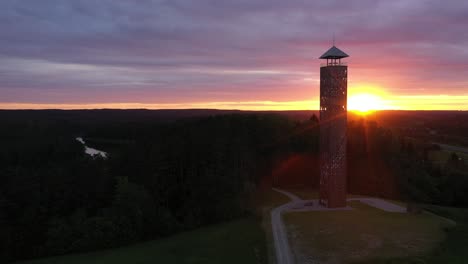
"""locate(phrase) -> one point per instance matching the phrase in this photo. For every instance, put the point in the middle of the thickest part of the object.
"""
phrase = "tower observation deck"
(333, 119)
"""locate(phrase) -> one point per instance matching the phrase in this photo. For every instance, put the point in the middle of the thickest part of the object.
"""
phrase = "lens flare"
(365, 103)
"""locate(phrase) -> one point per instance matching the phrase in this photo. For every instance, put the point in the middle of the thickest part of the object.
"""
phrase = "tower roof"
(334, 53)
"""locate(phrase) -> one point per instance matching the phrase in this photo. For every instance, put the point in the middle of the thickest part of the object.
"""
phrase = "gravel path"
(280, 236)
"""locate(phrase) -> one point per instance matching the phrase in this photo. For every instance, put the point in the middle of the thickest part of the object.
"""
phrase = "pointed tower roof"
(334, 53)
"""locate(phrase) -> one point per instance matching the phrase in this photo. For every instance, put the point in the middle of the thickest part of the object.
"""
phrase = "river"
(91, 151)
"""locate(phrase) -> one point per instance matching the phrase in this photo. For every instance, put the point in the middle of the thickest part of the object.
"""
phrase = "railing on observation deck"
(333, 64)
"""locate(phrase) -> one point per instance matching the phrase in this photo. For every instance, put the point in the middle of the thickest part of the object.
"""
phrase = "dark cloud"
(73, 51)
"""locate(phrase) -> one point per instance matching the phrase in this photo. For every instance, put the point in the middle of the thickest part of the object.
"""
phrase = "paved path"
(280, 236)
(453, 148)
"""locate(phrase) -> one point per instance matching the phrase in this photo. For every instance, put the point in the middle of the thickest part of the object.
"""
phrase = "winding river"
(91, 151)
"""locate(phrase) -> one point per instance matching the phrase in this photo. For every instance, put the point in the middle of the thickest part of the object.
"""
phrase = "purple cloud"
(57, 51)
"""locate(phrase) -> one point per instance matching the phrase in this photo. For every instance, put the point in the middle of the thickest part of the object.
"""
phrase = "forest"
(165, 173)
(392, 162)
(170, 171)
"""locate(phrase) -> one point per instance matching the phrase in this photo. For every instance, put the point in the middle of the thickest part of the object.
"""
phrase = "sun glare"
(365, 103)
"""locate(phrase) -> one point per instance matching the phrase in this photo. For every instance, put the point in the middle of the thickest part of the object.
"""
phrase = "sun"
(365, 103)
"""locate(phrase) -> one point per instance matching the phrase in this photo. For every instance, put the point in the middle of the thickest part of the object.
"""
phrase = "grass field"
(454, 250)
(304, 193)
(310, 193)
(240, 241)
(268, 199)
(363, 234)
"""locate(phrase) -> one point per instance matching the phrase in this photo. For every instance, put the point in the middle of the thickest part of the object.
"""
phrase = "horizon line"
(220, 109)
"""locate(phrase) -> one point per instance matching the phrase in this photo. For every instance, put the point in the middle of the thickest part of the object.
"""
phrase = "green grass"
(310, 194)
(304, 193)
(239, 241)
(268, 199)
(453, 250)
(363, 234)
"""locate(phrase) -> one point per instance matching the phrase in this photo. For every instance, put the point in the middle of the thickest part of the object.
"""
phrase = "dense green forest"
(394, 165)
(170, 171)
(162, 175)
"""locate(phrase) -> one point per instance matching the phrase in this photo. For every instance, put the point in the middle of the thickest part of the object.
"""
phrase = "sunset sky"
(229, 54)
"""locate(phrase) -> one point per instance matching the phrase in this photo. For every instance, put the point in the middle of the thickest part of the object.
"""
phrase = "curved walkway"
(280, 236)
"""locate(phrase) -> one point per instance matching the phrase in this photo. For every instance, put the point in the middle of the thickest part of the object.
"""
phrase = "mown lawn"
(310, 193)
(304, 193)
(239, 241)
(453, 250)
(267, 199)
(363, 235)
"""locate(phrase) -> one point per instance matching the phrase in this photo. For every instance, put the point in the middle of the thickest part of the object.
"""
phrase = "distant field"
(440, 157)
(362, 234)
(240, 241)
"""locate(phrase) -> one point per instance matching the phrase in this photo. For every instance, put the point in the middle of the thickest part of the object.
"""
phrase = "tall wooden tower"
(333, 111)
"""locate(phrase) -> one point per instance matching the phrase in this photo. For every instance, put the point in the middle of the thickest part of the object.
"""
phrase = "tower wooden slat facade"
(333, 123)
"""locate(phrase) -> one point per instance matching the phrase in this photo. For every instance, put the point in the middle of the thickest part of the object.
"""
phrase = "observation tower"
(333, 118)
